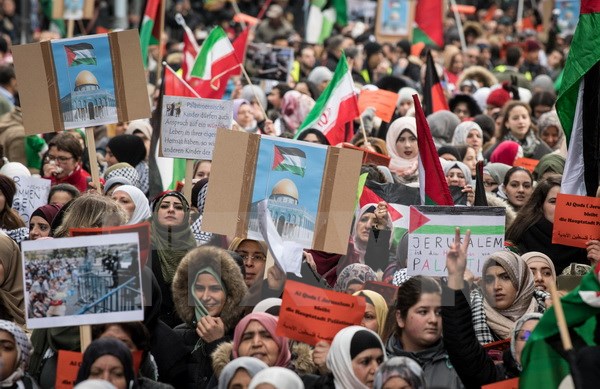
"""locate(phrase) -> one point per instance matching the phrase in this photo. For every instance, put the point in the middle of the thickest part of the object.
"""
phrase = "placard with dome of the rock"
(310, 190)
(81, 82)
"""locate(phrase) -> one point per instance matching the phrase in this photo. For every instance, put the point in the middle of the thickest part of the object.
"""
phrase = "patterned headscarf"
(295, 106)
(354, 273)
(24, 349)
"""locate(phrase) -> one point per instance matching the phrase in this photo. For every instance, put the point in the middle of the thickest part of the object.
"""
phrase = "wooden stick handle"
(85, 336)
(189, 176)
(254, 91)
(90, 142)
(560, 319)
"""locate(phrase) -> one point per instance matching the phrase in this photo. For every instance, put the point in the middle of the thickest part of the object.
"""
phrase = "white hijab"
(279, 377)
(142, 208)
(339, 361)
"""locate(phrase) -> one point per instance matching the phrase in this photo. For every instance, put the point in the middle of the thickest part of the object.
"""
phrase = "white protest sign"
(432, 231)
(189, 125)
(32, 193)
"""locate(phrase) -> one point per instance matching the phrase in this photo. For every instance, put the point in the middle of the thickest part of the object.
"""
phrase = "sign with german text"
(576, 220)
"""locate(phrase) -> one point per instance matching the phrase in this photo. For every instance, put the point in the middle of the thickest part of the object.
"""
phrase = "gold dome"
(285, 187)
(85, 78)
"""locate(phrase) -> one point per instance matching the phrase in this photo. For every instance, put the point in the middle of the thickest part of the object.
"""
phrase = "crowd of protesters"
(211, 317)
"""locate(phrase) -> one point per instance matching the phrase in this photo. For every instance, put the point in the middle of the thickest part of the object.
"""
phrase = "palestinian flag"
(429, 21)
(319, 24)
(432, 181)
(150, 28)
(80, 54)
(544, 361)
(577, 104)
(190, 51)
(336, 106)
(289, 159)
(434, 98)
(214, 62)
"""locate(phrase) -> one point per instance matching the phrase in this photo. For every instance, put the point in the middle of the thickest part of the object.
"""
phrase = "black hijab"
(107, 346)
(128, 148)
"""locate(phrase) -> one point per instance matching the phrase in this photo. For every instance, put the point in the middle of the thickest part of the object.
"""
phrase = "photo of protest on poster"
(84, 75)
(82, 280)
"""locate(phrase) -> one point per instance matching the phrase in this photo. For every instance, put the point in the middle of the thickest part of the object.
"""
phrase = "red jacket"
(78, 178)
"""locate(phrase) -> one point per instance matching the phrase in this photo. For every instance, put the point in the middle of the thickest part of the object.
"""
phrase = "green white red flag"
(150, 28)
(337, 105)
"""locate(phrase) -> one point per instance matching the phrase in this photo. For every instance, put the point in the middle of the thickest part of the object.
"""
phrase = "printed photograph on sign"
(289, 174)
(84, 75)
(268, 62)
(83, 280)
(73, 9)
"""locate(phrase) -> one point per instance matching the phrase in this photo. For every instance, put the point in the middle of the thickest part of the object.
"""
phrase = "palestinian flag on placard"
(215, 61)
(336, 106)
(544, 361)
(80, 54)
(289, 159)
(432, 181)
(429, 21)
(577, 104)
(150, 28)
(434, 98)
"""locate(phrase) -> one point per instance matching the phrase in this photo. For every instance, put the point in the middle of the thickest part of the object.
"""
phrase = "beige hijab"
(502, 321)
(11, 284)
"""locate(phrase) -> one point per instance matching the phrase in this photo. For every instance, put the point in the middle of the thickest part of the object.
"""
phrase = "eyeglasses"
(253, 257)
(489, 184)
(55, 158)
(523, 335)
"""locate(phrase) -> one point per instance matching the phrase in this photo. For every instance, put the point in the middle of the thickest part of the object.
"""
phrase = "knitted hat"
(498, 97)
(8, 189)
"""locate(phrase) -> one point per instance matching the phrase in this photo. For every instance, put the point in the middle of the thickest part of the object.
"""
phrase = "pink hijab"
(294, 108)
(399, 165)
(270, 324)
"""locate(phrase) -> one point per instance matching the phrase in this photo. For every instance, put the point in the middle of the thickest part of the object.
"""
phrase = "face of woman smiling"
(210, 293)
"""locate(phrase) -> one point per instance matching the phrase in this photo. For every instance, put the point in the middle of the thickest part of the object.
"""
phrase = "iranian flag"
(214, 62)
(289, 159)
(577, 104)
(80, 54)
(336, 106)
(150, 28)
(543, 359)
(432, 181)
(429, 21)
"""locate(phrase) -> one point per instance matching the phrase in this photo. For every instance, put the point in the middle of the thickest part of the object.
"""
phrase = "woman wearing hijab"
(442, 124)
(549, 164)
(171, 239)
(208, 288)
(134, 202)
(470, 359)
(458, 175)
(399, 372)
(110, 360)
(506, 293)
(295, 106)
(11, 281)
(239, 372)
(40, 223)
(376, 311)
(507, 152)
(10, 220)
(129, 149)
(550, 130)
(369, 217)
(243, 116)
(14, 357)
(278, 378)
(353, 278)
(401, 142)
(468, 133)
(493, 175)
(355, 354)
(542, 268)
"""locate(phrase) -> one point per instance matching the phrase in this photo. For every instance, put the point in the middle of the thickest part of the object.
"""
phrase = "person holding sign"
(208, 288)
(532, 228)
(417, 331)
(355, 354)
(471, 360)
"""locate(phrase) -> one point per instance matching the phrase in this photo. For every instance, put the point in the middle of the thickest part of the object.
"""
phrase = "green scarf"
(199, 309)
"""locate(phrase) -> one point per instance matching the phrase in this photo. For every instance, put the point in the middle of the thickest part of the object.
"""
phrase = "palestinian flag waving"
(429, 21)
(150, 28)
(289, 159)
(543, 359)
(434, 98)
(577, 104)
(80, 54)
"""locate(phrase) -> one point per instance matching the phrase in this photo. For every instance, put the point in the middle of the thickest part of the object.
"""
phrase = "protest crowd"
(460, 112)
